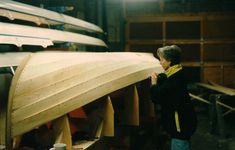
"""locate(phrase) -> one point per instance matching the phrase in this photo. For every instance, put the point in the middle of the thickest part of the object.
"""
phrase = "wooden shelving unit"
(207, 41)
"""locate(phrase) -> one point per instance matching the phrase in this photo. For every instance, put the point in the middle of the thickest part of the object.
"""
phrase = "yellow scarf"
(170, 71)
(173, 69)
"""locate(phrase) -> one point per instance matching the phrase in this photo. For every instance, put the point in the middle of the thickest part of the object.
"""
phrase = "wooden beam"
(162, 6)
(164, 33)
(124, 8)
(220, 41)
(218, 64)
(226, 106)
(162, 18)
(218, 89)
(221, 87)
(151, 42)
(145, 42)
(191, 64)
(182, 17)
(199, 98)
(127, 36)
(228, 112)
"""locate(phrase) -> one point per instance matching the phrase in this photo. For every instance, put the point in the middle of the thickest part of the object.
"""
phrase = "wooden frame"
(217, 104)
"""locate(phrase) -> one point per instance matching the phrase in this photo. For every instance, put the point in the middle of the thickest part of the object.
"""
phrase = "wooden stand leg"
(220, 119)
(108, 124)
(213, 114)
(16, 142)
(2, 126)
(4, 89)
(62, 132)
(132, 106)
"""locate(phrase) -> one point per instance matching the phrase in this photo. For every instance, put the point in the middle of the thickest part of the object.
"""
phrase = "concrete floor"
(204, 140)
(146, 137)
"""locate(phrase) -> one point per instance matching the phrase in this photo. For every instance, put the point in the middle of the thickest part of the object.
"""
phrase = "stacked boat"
(47, 85)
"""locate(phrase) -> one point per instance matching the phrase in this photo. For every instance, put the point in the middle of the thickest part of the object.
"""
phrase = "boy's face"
(165, 64)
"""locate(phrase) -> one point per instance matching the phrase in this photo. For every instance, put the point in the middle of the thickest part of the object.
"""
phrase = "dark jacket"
(172, 94)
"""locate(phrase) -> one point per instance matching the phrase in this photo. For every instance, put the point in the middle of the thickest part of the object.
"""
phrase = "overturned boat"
(48, 85)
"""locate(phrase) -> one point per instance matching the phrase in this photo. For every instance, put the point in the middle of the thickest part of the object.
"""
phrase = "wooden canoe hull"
(15, 10)
(12, 59)
(25, 35)
(49, 85)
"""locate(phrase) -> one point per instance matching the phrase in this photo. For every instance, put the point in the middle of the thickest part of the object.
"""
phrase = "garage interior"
(203, 29)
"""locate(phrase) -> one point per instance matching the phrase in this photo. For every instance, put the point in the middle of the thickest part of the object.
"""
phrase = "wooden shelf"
(207, 40)
(208, 64)
(219, 41)
(211, 64)
(191, 64)
(183, 41)
(182, 17)
(171, 41)
(145, 42)
(162, 18)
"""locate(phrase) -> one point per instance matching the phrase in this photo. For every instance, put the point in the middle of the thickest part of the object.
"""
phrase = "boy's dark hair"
(170, 53)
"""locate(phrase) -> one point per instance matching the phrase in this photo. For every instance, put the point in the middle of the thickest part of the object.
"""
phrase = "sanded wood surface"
(26, 35)
(16, 10)
(49, 85)
(12, 59)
